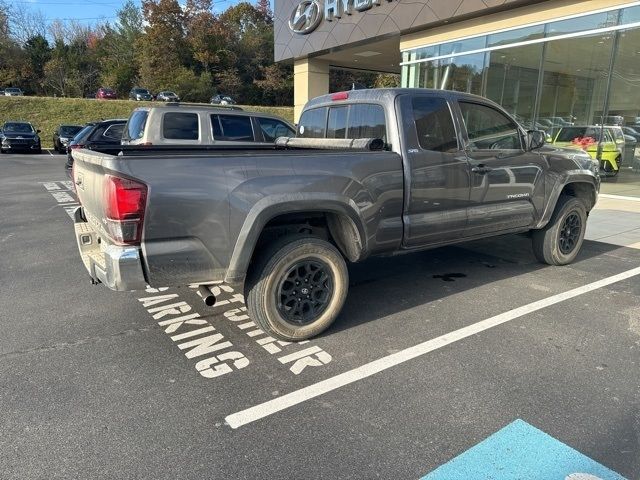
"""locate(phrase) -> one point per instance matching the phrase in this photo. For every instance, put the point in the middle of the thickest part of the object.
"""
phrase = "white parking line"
(619, 197)
(50, 152)
(275, 405)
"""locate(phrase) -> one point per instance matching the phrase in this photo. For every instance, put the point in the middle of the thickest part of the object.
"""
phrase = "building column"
(310, 79)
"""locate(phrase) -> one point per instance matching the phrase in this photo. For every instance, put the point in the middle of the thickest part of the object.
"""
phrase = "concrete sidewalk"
(615, 220)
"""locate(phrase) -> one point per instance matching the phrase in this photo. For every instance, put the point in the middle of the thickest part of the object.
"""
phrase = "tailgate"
(118, 266)
(88, 177)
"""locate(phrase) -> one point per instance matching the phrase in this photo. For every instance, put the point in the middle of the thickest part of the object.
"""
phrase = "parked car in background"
(632, 132)
(62, 135)
(202, 125)
(13, 92)
(614, 120)
(19, 136)
(106, 94)
(555, 121)
(167, 96)
(140, 94)
(222, 100)
(103, 136)
(1, 91)
(587, 139)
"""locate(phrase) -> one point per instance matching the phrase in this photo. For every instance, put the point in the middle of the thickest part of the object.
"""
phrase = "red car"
(106, 94)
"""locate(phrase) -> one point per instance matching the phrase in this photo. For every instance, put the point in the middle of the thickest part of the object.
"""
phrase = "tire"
(554, 244)
(271, 285)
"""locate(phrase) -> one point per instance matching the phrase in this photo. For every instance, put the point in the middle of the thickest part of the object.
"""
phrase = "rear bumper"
(118, 267)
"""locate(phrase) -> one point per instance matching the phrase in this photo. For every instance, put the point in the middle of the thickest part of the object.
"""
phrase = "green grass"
(46, 113)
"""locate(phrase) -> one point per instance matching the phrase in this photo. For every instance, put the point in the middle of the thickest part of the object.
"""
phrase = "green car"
(586, 138)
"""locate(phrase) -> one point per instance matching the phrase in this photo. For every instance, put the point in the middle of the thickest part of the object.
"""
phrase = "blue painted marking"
(520, 451)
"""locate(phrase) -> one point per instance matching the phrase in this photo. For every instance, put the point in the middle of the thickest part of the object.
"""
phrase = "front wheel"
(560, 241)
(297, 287)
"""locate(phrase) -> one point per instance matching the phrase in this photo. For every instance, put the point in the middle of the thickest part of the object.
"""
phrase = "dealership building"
(567, 59)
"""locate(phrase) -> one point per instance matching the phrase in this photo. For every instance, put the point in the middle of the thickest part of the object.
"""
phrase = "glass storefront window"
(575, 80)
(624, 98)
(581, 24)
(462, 73)
(513, 36)
(466, 45)
(512, 79)
(630, 15)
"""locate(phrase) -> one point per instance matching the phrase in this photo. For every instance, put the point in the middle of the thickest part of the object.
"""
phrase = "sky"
(88, 11)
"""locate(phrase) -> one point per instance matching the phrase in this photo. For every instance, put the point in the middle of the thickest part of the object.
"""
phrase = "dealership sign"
(308, 14)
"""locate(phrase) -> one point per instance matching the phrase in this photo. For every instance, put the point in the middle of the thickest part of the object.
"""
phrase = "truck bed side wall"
(199, 206)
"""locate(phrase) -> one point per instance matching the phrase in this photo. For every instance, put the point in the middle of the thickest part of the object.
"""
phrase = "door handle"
(481, 169)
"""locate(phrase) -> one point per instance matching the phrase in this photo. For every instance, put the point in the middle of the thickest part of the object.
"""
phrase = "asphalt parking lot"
(433, 354)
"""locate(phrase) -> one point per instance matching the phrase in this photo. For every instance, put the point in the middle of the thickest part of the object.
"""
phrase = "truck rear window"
(360, 120)
(180, 126)
(313, 123)
(366, 121)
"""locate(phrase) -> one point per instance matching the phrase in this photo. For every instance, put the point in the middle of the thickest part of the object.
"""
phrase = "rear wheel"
(297, 287)
(560, 241)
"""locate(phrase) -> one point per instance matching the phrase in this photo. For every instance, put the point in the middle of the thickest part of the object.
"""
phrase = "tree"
(57, 75)
(162, 48)
(229, 82)
(276, 83)
(38, 53)
(116, 49)
(207, 37)
(251, 33)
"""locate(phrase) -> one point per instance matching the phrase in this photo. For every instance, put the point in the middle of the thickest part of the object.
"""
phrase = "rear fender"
(272, 206)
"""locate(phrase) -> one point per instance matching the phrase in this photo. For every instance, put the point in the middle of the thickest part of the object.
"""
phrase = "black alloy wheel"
(305, 292)
(570, 233)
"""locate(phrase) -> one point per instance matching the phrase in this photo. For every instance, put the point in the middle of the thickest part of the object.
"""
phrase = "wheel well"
(583, 191)
(336, 228)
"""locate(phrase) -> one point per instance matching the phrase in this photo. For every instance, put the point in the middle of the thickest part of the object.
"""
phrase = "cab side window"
(434, 124)
(489, 129)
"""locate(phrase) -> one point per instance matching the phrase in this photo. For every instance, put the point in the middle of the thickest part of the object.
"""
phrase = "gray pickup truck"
(430, 168)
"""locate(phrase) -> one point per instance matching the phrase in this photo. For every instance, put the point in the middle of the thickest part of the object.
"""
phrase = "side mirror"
(535, 139)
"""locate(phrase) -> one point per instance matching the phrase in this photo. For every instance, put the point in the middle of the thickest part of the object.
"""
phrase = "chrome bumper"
(118, 267)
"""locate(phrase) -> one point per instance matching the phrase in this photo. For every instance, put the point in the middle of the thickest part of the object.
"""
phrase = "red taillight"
(75, 146)
(339, 96)
(124, 201)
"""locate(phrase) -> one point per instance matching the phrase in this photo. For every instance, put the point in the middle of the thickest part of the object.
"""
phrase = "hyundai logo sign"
(306, 17)
(308, 14)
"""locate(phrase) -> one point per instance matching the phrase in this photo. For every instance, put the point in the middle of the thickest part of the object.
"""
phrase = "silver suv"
(175, 124)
